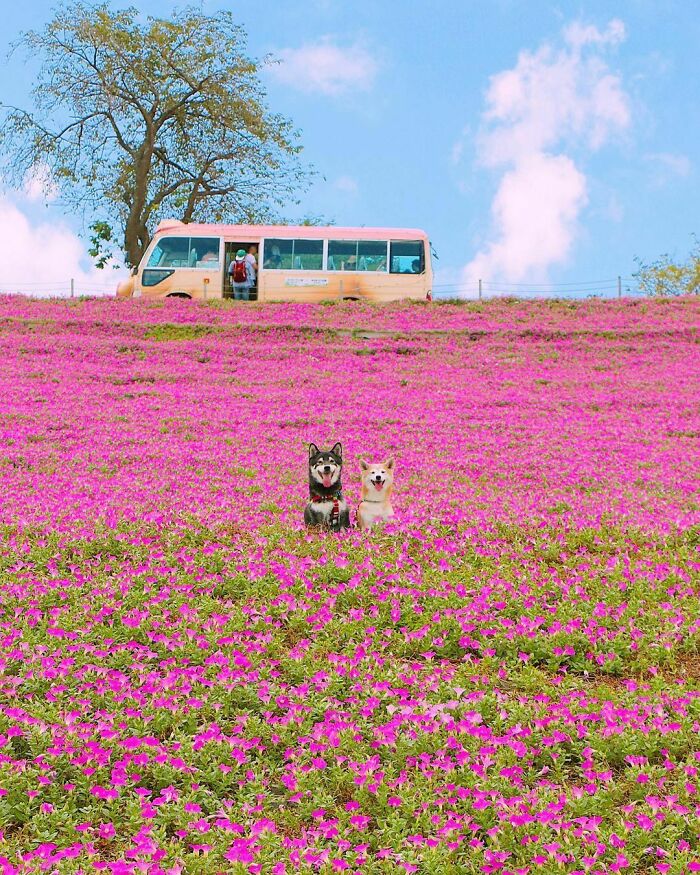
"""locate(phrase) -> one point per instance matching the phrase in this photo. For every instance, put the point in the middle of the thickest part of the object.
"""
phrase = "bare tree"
(135, 120)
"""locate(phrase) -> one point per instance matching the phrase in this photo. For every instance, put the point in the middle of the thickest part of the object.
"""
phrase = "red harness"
(335, 513)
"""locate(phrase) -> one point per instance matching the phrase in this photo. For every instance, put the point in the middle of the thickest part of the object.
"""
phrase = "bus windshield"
(197, 252)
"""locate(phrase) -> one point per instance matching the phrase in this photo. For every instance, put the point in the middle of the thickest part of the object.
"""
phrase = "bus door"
(230, 253)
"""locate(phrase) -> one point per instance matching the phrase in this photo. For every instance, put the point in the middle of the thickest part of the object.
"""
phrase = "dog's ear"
(364, 466)
(338, 450)
(389, 464)
(313, 450)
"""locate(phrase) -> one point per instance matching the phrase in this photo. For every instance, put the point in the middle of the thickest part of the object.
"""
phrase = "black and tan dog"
(326, 506)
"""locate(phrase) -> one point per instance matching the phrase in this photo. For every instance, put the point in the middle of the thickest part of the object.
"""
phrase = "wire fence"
(617, 287)
(70, 288)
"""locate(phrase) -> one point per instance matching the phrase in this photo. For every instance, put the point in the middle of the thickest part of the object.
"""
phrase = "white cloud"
(346, 184)
(535, 210)
(668, 166)
(548, 97)
(578, 34)
(457, 151)
(447, 281)
(39, 185)
(42, 257)
(614, 211)
(327, 68)
(554, 100)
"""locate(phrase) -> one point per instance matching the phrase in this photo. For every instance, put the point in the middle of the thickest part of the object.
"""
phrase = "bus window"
(308, 254)
(278, 254)
(357, 255)
(371, 255)
(342, 255)
(198, 252)
(204, 252)
(170, 252)
(407, 256)
(293, 254)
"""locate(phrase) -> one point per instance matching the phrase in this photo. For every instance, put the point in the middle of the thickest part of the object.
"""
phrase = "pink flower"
(106, 831)
(240, 852)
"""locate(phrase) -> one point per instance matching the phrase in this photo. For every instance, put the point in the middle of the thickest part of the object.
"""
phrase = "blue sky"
(536, 142)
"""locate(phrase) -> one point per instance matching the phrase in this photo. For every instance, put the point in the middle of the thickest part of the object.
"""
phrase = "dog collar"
(336, 495)
(316, 497)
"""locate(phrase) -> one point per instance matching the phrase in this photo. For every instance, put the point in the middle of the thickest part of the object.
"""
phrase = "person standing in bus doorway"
(252, 261)
(241, 276)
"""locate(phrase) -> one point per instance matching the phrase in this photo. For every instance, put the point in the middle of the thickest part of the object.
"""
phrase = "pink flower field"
(505, 679)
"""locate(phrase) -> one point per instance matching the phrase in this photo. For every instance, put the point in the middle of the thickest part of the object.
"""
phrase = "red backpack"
(239, 274)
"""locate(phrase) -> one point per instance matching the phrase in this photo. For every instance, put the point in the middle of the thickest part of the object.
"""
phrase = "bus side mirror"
(134, 271)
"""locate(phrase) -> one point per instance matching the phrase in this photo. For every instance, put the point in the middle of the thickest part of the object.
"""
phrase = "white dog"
(377, 486)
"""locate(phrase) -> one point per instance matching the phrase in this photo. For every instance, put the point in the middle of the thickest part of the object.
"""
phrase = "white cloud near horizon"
(535, 211)
(554, 101)
(41, 257)
(327, 68)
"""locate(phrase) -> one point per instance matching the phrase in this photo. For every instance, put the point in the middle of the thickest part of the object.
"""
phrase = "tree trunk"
(136, 236)
(136, 239)
(191, 201)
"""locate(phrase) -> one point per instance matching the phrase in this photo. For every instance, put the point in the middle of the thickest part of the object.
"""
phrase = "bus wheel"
(349, 298)
(179, 295)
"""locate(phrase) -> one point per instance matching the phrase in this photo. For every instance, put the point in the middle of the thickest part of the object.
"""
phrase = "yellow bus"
(294, 263)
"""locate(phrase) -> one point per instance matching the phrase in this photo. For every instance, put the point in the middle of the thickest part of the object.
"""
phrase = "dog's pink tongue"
(327, 481)
(378, 486)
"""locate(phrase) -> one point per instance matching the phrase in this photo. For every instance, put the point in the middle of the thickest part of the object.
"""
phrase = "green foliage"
(100, 240)
(168, 331)
(145, 118)
(668, 277)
